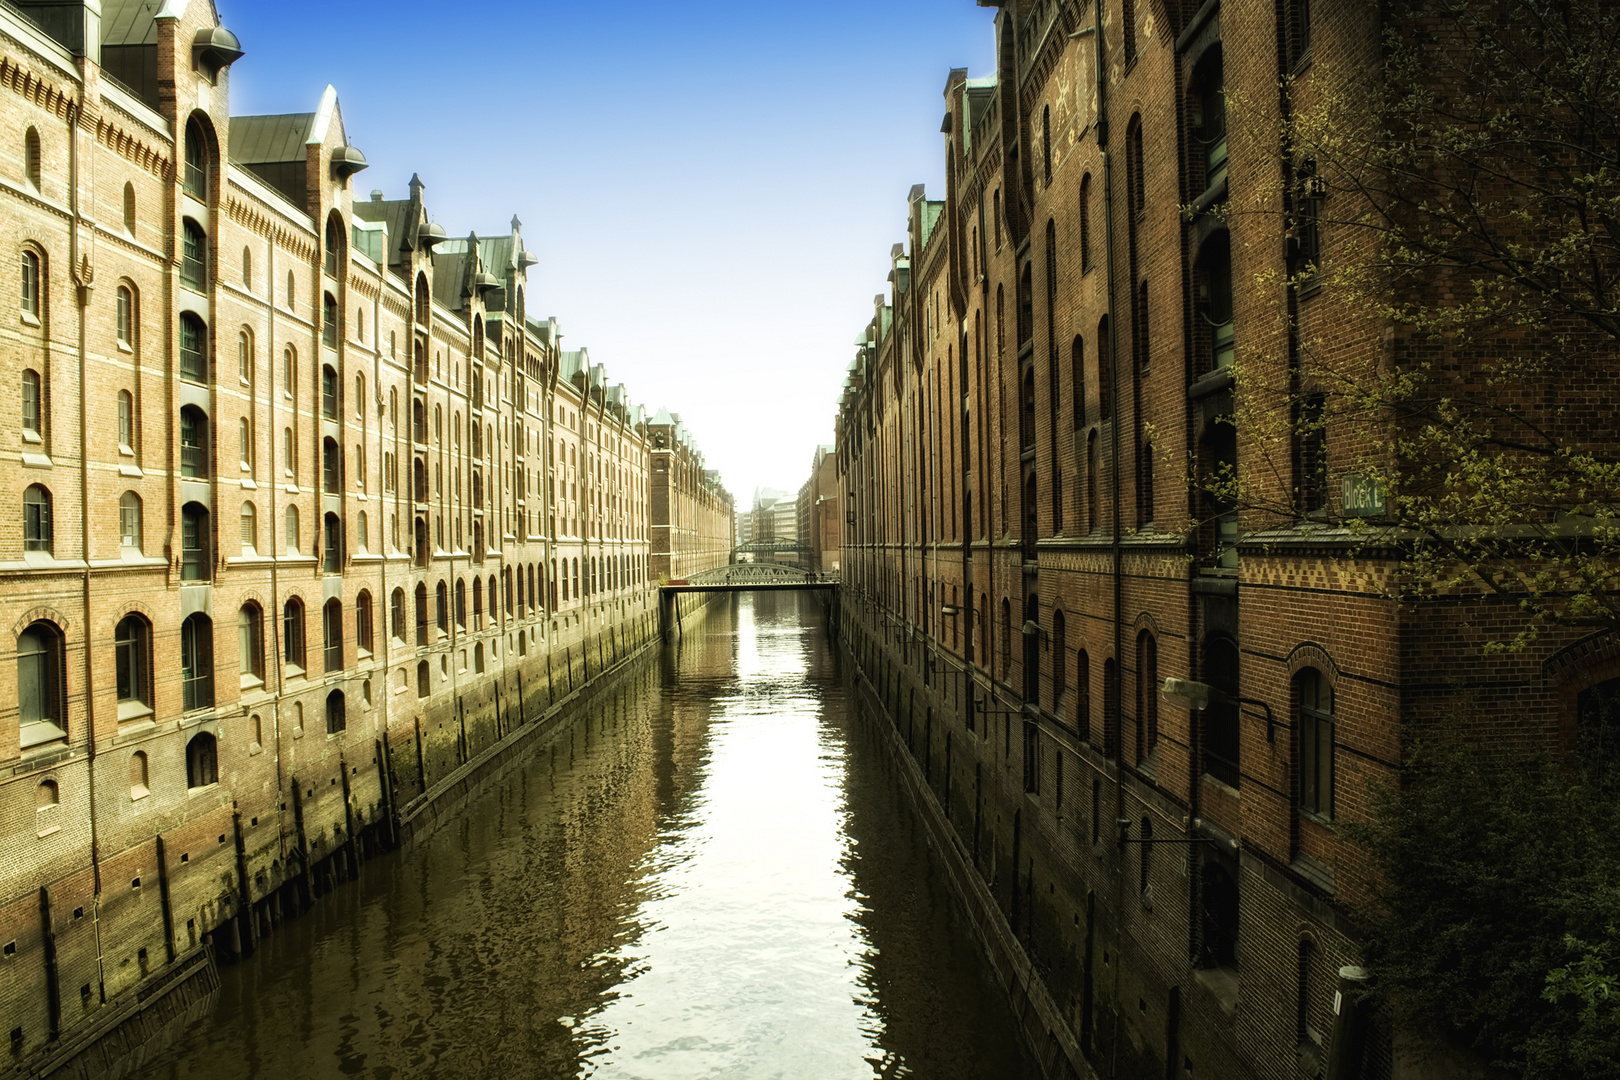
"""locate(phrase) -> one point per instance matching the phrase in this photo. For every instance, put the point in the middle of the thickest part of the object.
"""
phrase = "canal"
(711, 872)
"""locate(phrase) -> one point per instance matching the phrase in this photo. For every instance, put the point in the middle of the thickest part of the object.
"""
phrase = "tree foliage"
(1499, 922)
(1467, 189)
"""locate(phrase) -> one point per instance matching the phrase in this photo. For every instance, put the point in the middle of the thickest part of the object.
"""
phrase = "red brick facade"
(1031, 554)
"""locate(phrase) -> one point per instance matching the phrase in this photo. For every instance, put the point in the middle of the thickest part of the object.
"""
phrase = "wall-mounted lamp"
(950, 611)
(1187, 694)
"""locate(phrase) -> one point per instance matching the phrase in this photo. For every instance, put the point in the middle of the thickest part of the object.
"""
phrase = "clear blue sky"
(712, 189)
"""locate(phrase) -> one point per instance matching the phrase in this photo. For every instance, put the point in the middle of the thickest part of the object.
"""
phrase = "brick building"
(1024, 433)
(437, 523)
(820, 513)
(696, 516)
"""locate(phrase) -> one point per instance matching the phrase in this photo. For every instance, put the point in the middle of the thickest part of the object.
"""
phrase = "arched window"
(441, 607)
(396, 615)
(244, 356)
(196, 558)
(331, 466)
(292, 530)
(1006, 638)
(421, 613)
(37, 526)
(1315, 728)
(247, 268)
(362, 622)
(193, 443)
(193, 348)
(193, 255)
(1105, 371)
(289, 371)
(32, 285)
(329, 321)
(424, 299)
(197, 662)
(1082, 694)
(33, 405)
(129, 521)
(202, 760)
(332, 634)
(132, 649)
(332, 556)
(126, 422)
(461, 604)
(129, 208)
(244, 443)
(40, 697)
(1135, 183)
(334, 244)
(336, 721)
(124, 316)
(362, 532)
(1077, 381)
(360, 394)
(1147, 695)
(139, 777)
(31, 158)
(250, 528)
(292, 635)
(478, 604)
(289, 452)
(424, 685)
(576, 580)
(291, 281)
(478, 658)
(196, 175)
(250, 644)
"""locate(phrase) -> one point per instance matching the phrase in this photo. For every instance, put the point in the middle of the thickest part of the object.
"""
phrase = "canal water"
(711, 874)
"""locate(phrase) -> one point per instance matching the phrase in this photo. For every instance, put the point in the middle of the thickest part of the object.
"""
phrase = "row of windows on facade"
(40, 664)
(1220, 722)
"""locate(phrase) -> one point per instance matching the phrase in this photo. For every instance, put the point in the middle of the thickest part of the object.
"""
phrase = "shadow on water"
(711, 873)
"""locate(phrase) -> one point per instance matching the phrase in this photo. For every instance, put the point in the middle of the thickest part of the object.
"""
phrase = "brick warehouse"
(1028, 555)
(439, 521)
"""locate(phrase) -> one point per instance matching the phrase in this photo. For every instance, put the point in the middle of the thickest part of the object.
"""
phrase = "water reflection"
(711, 875)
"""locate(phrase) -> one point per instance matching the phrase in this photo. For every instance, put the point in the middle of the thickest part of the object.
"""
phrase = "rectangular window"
(191, 349)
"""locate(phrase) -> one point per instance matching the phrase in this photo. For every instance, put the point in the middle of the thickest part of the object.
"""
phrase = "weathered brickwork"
(1030, 554)
(316, 512)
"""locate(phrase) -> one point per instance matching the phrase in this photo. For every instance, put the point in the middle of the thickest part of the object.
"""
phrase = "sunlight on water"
(709, 875)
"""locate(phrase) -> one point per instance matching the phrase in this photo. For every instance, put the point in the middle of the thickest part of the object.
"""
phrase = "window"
(332, 635)
(202, 760)
(1032, 758)
(1307, 267)
(292, 635)
(37, 519)
(289, 452)
(441, 608)
(129, 208)
(244, 357)
(362, 623)
(1312, 442)
(292, 530)
(193, 443)
(363, 533)
(1135, 184)
(291, 281)
(1147, 695)
(132, 648)
(1299, 32)
(360, 395)
(334, 242)
(1144, 487)
(396, 615)
(197, 662)
(1082, 694)
(1315, 743)
(1060, 660)
(1085, 223)
(126, 422)
(193, 255)
(250, 644)
(196, 564)
(250, 528)
(1128, 17)
(331, 466)
(32, 403)
(129, 521)
(40, 715)
(1046, 145)
(193, 348)
(31, 157)
(196, 176)
(31, 284)
(125, 323)
(332, 553)
(424, 686)
(329, 321)
(247, 269)
(289, 372)
(336, 721)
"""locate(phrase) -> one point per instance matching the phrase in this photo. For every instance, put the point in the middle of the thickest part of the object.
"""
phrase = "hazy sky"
(712, 189)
